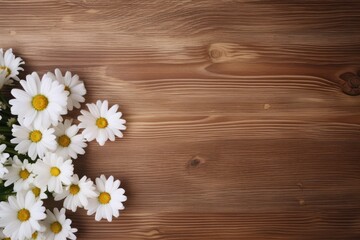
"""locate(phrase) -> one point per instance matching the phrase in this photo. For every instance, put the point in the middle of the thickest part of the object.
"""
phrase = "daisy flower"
(10, 65)
(39, 192)
(3, 158)
(109, 200)
(70, 143)
(20, 174)
(37, 235)
(58, 226)
(77, 193)
(35, 141)
(73, 85)
(3, 236)
(53, 171)
(20, 216)
(101, 123)
(41, 102)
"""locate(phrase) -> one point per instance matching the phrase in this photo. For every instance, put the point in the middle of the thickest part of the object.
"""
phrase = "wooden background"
(243, 116)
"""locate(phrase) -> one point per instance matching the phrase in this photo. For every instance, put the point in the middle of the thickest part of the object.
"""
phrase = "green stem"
(8, 144)
(11, 151)
(5, 129)
(8, 193)
(2, 98)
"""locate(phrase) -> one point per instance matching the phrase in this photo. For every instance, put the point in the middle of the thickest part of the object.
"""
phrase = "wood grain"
(243, 116)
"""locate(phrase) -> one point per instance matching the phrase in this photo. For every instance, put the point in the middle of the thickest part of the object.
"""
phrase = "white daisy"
(3, 158)
(109, 200)
(53, 171)
(77, 193)
(58, 226)
(42, 102)
(70, 143)
(3, 236)
(3, 171)
(101, 123)
(20, 174)
(37, 235)
(10, 65)
(73, 85)
(34, 141)
(20, 216)
(39, 192)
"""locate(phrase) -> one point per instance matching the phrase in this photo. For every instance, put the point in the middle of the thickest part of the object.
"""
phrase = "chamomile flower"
(70, 143)
(52, 171)
(109, 200)
(58, 226)
(3, 171)
(39, 192)
(10, 65)
(37, 235)
(20, 174)
(73, 85)
(20, 215)
(33, 140)
(3, 158)
(77, 193)
(41, 102)
(3, 236)
(101, 123)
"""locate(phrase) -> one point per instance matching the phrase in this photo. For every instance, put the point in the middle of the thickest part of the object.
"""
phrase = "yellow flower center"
(55, 227)
(6, 238)
(64, 141)
(40, 102)
(104, 198)
(8, 71)
(101, 122)
(36, 191)
(67, 89)
(54, 171)
(23, 215)
(35, 136)
(34, 235)
(24, 174)
(74, 189)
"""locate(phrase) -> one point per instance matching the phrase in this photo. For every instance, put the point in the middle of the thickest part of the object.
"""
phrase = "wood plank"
(243, 116)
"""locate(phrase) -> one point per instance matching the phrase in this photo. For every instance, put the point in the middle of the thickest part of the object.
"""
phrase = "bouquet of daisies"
(38, 145)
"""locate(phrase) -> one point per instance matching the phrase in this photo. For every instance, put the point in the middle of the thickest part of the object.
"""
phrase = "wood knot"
(351, 84)
(230, 52)
(195, 162)
(301, 202)
(267, 106)
(215, 53)
(154, 232)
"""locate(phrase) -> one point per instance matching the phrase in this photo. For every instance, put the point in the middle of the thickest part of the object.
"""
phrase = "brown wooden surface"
(240, 119)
